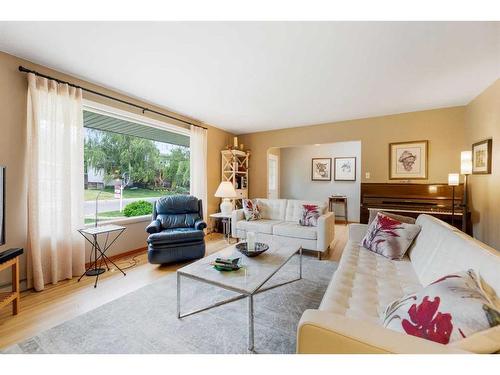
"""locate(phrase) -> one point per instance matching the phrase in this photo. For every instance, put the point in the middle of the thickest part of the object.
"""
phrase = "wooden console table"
(338, 199)
(10, 258)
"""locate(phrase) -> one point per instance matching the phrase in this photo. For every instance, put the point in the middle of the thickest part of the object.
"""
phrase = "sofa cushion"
(177, 235)
(440, 250)
(170, 221)
(389, 237)
(401, 218)
(272, 209)
(294, 208)
(450, 309)
(177, 204)
(295, 230)
(259, 226)
(365, 283)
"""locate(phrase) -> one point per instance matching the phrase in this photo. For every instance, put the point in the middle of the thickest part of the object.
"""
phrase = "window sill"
(128, 220)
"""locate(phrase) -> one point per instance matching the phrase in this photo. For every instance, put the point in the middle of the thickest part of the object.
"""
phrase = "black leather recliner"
(176, 232)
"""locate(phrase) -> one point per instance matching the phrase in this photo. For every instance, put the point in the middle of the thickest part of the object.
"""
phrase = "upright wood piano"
(414, 199)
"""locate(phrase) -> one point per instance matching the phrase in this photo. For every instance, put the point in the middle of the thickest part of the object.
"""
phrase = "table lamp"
(453, 180)
(465, 169)
(226, 191)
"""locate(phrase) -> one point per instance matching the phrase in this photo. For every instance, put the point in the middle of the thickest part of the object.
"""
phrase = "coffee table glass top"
(255, 271)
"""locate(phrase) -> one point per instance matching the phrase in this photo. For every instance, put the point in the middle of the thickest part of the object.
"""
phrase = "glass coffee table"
(247, 281)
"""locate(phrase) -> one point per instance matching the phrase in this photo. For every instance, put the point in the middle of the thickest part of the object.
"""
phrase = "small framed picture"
(345, 169)
(321, 169)
(408, 160)
(481, 157)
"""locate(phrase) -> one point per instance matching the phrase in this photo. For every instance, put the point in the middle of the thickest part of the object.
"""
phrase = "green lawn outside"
(106, 216)
(108, 193)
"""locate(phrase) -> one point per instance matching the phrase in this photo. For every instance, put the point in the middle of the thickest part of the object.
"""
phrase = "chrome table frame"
(242, 294)
(91, 234)
(226, 225)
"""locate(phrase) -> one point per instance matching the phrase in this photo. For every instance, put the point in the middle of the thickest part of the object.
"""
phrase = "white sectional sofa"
(280, 217)
(348, 318)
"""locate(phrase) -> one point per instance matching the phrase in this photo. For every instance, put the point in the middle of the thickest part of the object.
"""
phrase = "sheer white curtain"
(198, 165)
(56, 250)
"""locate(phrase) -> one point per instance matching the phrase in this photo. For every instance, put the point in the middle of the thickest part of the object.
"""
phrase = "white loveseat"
(280, 217)
(348, 318)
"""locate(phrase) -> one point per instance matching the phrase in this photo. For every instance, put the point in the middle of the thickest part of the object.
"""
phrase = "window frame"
(106, 110)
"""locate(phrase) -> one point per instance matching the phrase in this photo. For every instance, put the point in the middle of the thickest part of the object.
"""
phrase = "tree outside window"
(155, 169)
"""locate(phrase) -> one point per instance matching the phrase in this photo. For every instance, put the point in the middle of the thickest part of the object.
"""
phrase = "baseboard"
(124, 255)
(343, 222)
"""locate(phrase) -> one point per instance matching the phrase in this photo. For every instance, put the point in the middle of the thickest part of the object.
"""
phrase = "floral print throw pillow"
(251, 210)
(389, 237)
(450, 309)
(309, 216)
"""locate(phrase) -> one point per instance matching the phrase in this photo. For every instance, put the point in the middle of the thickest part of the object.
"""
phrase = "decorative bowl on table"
(259, 249)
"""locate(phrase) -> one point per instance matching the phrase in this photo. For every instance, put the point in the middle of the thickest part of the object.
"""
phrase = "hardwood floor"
(40, 311)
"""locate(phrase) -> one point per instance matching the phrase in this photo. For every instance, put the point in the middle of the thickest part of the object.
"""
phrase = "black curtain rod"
(144, 109)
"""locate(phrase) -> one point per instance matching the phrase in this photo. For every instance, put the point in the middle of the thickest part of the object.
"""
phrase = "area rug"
(145, 321)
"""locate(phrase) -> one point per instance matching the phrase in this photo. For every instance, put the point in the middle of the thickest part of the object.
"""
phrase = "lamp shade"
(466, 162)
(225, 190)
(453, 179)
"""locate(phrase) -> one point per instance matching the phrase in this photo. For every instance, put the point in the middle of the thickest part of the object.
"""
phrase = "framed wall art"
(345, 169)
(321, 169)
(481, 157)
(408, 160)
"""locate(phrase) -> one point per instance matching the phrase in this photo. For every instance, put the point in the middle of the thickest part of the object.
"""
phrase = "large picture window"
(129, 163)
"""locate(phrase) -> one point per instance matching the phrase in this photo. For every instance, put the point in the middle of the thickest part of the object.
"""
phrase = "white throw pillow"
(451, 309)
(310, 215)
(251, 209)
(389, 237)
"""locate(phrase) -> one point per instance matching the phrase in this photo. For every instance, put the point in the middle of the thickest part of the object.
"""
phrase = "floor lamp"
(465, 169)
(453, 180)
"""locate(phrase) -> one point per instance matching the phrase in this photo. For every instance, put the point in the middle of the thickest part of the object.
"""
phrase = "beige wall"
(482, 121)
(13, 91)
(444, 128)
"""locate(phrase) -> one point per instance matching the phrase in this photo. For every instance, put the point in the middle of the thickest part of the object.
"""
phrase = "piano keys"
(414, 199)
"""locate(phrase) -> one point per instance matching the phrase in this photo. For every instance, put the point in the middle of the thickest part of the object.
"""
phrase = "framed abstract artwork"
(481, 157)
(408, 160)
(321, 169)
(345, 169)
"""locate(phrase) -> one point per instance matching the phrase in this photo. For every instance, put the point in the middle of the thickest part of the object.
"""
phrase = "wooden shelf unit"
(8, 297)
(235, 165)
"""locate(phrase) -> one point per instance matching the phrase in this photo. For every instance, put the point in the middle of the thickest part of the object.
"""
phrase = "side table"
(98, 250)
(338, 199)
(226, 224)
(10, 259)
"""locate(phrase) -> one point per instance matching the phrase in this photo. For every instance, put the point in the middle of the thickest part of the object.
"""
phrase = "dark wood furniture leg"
(345, 211)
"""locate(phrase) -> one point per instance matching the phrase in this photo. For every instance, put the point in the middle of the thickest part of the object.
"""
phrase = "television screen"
(2, 205)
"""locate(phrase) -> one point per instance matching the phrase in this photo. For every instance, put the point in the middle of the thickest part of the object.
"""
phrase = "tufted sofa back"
(294, 208)
(440, 250)
(273, 209)
(178, 211)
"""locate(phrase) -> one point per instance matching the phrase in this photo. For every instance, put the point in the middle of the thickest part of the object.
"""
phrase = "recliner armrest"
(154, 227)
(200, 225)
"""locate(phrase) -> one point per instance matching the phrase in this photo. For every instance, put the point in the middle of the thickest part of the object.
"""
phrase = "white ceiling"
(254, 76)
